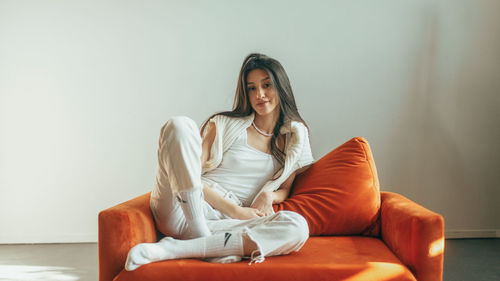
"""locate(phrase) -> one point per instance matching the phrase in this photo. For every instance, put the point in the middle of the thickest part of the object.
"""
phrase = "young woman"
(214, 190)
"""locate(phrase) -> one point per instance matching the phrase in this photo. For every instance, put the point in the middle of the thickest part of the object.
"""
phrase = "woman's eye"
(267, 85)
(251, 89)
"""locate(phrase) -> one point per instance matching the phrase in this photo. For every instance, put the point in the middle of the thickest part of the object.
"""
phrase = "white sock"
(218, 245)
(192, 206)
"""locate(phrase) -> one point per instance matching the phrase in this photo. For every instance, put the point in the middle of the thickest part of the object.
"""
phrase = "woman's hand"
(264, 203)
(245, 213)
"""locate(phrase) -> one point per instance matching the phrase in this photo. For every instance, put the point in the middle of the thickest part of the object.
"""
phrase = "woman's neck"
(266, 122)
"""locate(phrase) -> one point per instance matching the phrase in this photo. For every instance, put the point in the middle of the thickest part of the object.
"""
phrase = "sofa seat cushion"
(321, 258)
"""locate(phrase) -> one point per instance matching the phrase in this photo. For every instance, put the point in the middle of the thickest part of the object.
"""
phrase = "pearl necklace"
(261, 132)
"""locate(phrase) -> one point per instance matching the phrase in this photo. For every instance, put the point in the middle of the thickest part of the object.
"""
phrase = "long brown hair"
(279, 78)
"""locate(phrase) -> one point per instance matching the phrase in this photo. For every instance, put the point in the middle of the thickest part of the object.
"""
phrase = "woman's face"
(261, 92)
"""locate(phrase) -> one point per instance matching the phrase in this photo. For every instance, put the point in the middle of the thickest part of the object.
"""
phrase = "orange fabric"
(415, 234)
(120, 228)
(321, 258)
(339, 194)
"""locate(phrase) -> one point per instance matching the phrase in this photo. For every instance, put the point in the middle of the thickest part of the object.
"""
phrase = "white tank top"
(242, 172)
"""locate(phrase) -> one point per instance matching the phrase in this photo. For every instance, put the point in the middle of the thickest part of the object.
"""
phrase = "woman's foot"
(218, 245)
(145, 253)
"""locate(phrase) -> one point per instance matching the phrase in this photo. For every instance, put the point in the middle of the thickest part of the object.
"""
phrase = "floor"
(465, 259)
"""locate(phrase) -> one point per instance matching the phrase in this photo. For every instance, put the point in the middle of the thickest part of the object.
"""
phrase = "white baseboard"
(43, 239)
(476, 233)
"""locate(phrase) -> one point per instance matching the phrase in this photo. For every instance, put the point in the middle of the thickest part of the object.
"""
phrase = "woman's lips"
(262, 103)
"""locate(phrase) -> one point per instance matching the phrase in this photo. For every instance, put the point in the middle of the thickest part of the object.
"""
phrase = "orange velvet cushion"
(339, 194)
(321, 258)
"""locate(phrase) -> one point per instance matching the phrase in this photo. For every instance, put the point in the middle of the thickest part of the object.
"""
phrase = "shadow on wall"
(425, 152)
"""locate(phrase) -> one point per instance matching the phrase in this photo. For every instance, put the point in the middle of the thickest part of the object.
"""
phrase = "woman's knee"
(296, 224)
(178, 126)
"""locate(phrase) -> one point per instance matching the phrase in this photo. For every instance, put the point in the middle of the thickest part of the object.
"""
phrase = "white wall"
(85, 87)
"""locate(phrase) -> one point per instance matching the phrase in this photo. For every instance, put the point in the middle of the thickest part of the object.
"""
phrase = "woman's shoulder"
(291, 126)
(230, 121)
(223, 117)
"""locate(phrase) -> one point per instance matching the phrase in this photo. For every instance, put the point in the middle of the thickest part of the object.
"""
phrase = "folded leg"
(177, 199)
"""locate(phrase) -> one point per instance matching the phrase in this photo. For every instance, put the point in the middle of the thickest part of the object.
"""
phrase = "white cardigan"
(297, 150)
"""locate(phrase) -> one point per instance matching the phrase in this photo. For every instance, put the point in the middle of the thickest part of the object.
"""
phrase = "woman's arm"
(266, 199)
(218, 202)
(211, 196)
(283, 191)
(228, 207)
(207, 142)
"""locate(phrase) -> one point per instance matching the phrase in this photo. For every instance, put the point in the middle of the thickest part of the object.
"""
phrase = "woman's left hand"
(264, 203)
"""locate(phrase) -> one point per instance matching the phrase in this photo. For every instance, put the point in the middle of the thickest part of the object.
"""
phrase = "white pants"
(179, 169)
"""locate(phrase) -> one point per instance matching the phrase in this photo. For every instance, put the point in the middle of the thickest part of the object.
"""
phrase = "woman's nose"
(261, 93)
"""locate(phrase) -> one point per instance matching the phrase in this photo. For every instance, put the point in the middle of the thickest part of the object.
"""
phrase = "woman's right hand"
(245, 213)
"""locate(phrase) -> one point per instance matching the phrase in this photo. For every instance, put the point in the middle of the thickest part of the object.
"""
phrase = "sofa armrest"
(415, 234)
(120, 228)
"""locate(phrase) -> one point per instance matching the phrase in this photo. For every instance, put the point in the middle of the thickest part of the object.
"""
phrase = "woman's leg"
(217, 245)
(278, 234)
(177, 199)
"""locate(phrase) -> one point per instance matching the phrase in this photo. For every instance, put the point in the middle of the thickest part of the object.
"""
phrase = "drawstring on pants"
(258, 259)
(253, 257)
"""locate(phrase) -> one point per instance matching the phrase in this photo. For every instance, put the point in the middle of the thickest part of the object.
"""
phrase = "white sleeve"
(306, 157)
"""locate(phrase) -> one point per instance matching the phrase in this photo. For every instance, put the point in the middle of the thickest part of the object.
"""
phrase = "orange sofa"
(357, 232)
